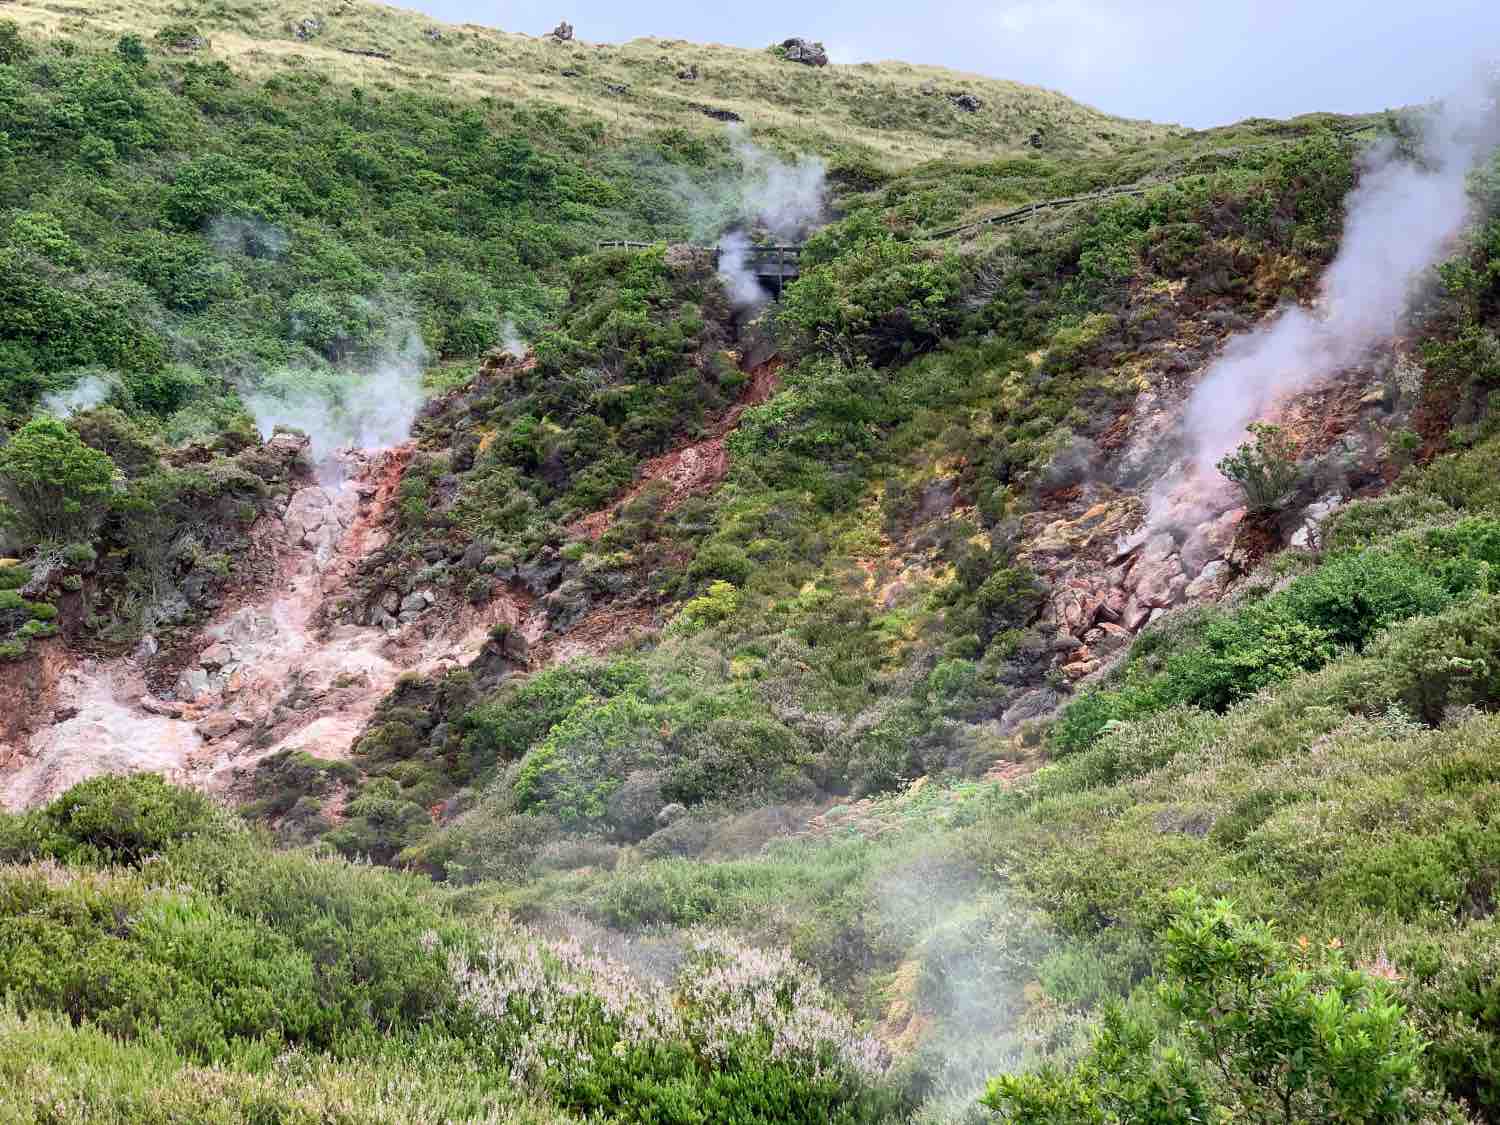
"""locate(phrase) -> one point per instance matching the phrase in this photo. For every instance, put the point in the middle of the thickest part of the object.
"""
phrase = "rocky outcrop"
(716, 113)
(562, 33)
(965, 101)
(805, 52)
(310, 27)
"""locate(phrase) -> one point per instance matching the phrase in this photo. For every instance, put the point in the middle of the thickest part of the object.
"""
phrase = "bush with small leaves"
(54, 488)
(1262, 1032)
(1265, 468)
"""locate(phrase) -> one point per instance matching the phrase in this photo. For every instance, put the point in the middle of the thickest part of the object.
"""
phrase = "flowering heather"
(561, 1000)
(565, 1003)
(737, 993)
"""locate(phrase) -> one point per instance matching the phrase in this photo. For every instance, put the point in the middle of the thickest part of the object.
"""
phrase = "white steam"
(251, 237)
(510, 340)
(765, 197)
(785, 198)
(734, 270)
(1399, 219)
(86, 394)
(371, 408)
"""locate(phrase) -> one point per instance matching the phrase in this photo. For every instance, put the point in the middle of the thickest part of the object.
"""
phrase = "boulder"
(670, 814)
(1157, 575)
(1081, 668)
(965, 101)
(688, 73)
(563, 32)
(804, 52)
(1209, 541)
(308, 28)
(540, 574)
(413, 603)
(1312, 520)
(1208, 582)
(568, 604)
(718, 114)
(167, 708)
(218, 726)
(216, 655)
(1135, 615)
(192, 685)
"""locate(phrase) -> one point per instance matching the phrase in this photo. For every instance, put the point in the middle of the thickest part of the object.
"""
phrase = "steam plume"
(510, 340)
(1398, 221)
(367, 409)
(785, 198)
(765, 193)
(86, 394)
(734, 256)
(251, 237)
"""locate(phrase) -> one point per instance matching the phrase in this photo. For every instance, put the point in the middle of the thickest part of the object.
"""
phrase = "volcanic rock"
(1209, 579)
(1312, 520)
(216, 655)
(1210, 541)
(218, 726)
(805, 52)
(192, 685)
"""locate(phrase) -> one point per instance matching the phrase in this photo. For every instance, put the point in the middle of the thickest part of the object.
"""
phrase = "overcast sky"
(1196, 62)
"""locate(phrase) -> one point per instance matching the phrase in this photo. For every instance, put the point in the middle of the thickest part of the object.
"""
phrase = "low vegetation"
(1247, 872)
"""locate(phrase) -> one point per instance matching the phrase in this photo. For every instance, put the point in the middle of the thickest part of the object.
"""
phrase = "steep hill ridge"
(899, 111)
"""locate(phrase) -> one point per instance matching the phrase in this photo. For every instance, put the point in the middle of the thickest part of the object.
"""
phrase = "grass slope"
(892, 110)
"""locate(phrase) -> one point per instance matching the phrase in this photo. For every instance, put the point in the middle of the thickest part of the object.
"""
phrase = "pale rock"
(216, 655)
(1312, 521)
(1135, 615)
(192, 685)
(1209, 541)
(1208, 581)
(1159, 583)
(670, 814)
(1080, 669)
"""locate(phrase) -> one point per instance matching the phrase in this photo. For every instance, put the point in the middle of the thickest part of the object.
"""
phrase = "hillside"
(1040, 667)
(899, 112)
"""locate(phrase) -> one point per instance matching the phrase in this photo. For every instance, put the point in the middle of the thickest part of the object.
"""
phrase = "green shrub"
(123, 819)
(1343, 603)
(1263, 1033)
(1446, 661)
(55, 487)
(1265, 468)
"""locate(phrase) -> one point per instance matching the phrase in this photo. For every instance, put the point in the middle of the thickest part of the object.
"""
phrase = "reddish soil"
(693, 469)
(28, 696)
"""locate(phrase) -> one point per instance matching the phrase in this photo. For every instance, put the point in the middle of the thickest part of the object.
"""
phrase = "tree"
(1264, 1033)
(54, 487)
(1265, 468)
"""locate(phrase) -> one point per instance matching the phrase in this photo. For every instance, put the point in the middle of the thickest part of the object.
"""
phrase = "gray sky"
(1197, 62)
